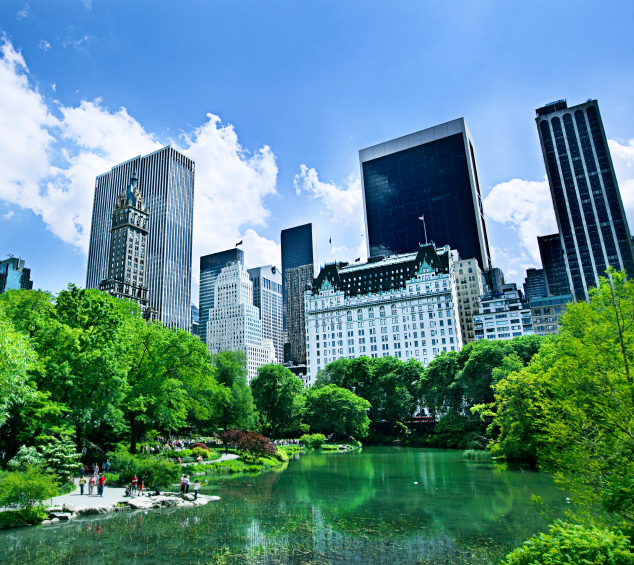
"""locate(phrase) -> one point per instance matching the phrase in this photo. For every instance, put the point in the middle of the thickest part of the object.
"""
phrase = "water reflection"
(382, 505)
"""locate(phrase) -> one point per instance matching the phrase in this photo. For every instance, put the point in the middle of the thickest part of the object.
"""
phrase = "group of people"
(98, 480)
(93, 469)
(185, 486)
(164, 444)
(136, 486)
(279, 442)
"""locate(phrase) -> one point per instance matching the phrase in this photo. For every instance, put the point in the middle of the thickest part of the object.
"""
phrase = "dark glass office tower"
(298, 249)
(585, 194)
(535, 284)
(554, 265)
(166, 182)
(430, 173)
(210, 267)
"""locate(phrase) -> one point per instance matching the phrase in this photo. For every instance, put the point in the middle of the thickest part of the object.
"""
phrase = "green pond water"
(381, 505)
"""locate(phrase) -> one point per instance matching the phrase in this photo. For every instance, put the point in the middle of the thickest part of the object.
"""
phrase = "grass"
(477, 455)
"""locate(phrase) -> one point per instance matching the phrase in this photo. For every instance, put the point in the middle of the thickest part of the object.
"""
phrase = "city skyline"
(257, 170)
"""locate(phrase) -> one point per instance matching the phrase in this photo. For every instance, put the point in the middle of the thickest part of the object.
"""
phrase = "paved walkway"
(225, 457)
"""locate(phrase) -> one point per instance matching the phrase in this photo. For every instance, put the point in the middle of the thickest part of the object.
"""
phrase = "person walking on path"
(186, 484)
(82, 482)
(196, 488)
(183, 483)
(141, 485)
(102, 481)
(95, 470)
(135, 482)
(107, 465)
(91, 485)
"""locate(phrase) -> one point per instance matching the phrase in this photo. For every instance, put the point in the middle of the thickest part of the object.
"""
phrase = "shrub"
(27, 488)
(281, 455)
(114, 479)
(477, 455)
(200, 445)
(159, 473)
(568, 543)
(249, 442)
(22, 517)
(313, 441)
(199, 451)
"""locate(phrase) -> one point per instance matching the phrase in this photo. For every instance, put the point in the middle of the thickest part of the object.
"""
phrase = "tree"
(27, 488)
(16, 357)
(276, 392)
(235, 410)
(332, 409)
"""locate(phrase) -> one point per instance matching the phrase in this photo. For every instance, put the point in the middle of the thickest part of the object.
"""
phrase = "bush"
(22, 517)
(159, 473)
(254, 444)
(113, 479)
(568, 543)
(313, 441)
(200, 445)
(281, 455)
(199, 451)
(477, 455)
(28, 488)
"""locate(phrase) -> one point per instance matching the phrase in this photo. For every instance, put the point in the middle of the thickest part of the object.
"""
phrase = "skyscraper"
(585, 194)
(14, 275)
(234, 322)
(535, 284)
(554, 265)
(298, 250)
(166, 182)
(128, 246)
(210, 267)
(431, 174)
(267, 296)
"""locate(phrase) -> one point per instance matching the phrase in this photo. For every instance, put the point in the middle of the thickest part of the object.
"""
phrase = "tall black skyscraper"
(535, 284)
(585, 194)
(298, 250)
(432, 174)
(554, 265)
(210, 267)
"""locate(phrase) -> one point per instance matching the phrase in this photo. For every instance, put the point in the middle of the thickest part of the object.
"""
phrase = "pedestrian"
(95, 470)
(102, 481)
(183, 483)
(141, 485)
(107, 465)
(186, 484)
(135, 482)
(82, 482)
(82, 470)
(196, 488)
(91, 485)
(179, 460)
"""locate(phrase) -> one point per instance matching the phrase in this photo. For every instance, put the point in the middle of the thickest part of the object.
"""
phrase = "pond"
(375, 506)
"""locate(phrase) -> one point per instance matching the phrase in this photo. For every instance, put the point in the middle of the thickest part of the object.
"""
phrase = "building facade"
(554, 264)
(535, 284)
(503, 315)
(210, 267)
(127, 267)
(469, 288)
(297, 280)
(195, 320)
(546, 312)
(267, 297)
(405, 306)
(588, 206)
(166, 182)
(430, 174)
(14, 275)
(234, 322)
(298, 250)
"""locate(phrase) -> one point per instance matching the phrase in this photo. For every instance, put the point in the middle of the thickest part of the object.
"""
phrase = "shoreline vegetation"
(85, 380)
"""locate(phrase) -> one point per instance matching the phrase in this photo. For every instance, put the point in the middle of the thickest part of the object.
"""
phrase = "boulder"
(188, 497)
(167, 502)
(98, 509)
(61, 515)
(69, 507)
(54, 509)
(54, 520)
(186, 504)
(45, 522)
(143, 503)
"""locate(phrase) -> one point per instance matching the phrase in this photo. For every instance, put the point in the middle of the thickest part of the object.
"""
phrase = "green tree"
(332, 409)
(276, 393)
(27, 488)
(236, 410)
(16, 357)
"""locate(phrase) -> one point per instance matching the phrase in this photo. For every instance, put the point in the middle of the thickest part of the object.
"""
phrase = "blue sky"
(294, 90)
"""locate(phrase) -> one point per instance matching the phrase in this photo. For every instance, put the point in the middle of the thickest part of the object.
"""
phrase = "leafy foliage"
(332, 409)
(27, 488)
(567, 543)
(312, 441)
(251, 443)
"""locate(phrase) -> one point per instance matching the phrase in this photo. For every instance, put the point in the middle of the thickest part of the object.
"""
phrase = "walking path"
(225, 457)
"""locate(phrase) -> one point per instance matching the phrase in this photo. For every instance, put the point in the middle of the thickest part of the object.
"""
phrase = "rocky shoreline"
(67, 511)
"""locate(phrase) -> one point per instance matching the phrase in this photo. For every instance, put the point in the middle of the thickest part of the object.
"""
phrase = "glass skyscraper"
(554, 265)
(14, 275)
(210, 267)
(267, 296)
(592, 223)
(166, 182)
(430, 174)
(298, 250)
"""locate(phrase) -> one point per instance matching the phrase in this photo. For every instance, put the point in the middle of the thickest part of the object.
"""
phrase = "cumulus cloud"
(525, 207)
(24, 12)
(48, 164)
(8, 215)
(344, 203)
(76, 43)
(44, 45)
(623, 159)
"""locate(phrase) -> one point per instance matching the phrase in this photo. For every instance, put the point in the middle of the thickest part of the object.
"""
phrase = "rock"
(188, 497)
(98, 509)
(54, 521)
(186, 504)
(69, 507)
(167, 502)
(61, 515)
(54, 509)
(45, 522)
(143, 503)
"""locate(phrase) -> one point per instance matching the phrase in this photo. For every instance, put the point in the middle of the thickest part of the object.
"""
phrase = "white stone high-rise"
(234, 322)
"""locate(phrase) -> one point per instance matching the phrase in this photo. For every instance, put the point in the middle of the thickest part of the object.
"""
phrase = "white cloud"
(623, 159)
(8, 215)
(49, 165)
(53, 87)
(76, 43)
(24, 12)
(44, 45)
(344, 203)
(526, 207)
